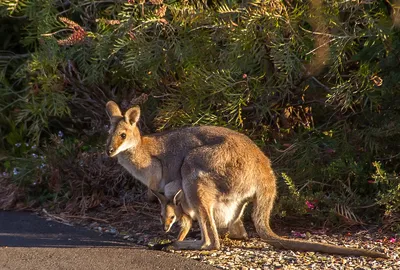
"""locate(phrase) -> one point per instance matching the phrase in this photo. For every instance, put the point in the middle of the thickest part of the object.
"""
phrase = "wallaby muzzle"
(110, 148)
(109, 151)
(167, 228)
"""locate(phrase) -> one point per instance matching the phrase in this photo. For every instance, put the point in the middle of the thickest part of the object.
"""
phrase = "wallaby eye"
(172, 217)
(123, 135)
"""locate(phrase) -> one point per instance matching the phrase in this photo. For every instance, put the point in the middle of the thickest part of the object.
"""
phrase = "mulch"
(140, 224)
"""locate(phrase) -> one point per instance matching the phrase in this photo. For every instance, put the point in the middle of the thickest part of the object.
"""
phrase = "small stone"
(93, 224)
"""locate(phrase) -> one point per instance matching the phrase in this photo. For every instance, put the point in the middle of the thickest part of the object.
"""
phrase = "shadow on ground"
(18, 229)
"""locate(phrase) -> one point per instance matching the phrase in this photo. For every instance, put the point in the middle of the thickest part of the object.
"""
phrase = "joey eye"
(123, 135)
(172, 217)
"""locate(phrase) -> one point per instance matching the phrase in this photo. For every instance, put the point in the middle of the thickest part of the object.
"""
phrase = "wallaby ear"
(178, 197)
(132, 115)
(113, 110)
(161, 198)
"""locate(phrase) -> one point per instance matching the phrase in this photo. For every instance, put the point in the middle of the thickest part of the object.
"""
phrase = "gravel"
(255, 254)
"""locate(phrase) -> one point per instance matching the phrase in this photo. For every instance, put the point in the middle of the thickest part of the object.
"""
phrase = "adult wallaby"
(220, 170)
(172, 212)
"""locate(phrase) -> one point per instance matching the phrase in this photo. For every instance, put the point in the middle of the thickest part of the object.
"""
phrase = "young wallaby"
(220, 170)
(172, 212)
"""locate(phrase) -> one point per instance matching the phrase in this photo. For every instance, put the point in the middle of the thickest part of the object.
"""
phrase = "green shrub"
(389, 194)
(314, 83)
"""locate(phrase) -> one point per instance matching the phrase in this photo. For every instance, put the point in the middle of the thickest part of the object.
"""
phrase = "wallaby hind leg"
(236, 229)
(199, 198)
(200, 192)
(209, 229)
(209, 233)
(261, 216)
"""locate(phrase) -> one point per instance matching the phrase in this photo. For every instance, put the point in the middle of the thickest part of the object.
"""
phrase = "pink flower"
(244, 76)
(371, 181)
(392, 240)
(298, 234)
(310, 205)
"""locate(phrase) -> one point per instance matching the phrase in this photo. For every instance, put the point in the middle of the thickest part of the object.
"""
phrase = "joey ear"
(178, 197)
(113, 110)
(161, 198)
(132, 115)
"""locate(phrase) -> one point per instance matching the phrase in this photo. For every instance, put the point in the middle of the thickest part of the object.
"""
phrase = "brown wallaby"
(172, 211)
(219, 170)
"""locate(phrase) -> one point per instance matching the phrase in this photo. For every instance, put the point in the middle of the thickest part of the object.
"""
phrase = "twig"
(56, 218)
(13, 55)
(330, 35)
(321, 84)
(56, 32)
(387, 158)
(313, 182)
(365, 206)
(85, 4)
(320, 46)
(86, 217)
(206, 27)
(161, 96)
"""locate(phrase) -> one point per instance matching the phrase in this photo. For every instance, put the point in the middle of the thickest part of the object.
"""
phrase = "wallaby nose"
(110, 151)
(166, 228)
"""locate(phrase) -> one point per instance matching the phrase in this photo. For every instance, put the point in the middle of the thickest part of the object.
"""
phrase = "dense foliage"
(314, 83)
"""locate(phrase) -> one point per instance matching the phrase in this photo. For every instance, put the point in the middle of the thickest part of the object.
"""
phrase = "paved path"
(31, 242)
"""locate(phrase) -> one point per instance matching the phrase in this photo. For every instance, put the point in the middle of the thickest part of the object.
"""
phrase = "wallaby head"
(171, 210)
(124, 133)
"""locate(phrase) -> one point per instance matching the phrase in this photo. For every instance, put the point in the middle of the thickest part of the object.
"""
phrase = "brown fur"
(172, 211)
(219, 170)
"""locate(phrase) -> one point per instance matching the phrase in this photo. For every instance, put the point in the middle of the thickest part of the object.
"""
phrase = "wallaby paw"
(210, 247)
(238, 236)
(159, 246)
(169, 247)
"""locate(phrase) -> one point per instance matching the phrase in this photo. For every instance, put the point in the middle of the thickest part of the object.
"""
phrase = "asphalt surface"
(28, 241)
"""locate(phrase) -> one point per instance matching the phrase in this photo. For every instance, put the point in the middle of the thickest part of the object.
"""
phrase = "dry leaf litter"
(140, 224)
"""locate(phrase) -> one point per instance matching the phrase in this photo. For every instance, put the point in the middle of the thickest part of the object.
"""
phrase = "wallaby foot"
(186, 245)
(238, 235)
(192, 245)
(237, 231)
(211, 246)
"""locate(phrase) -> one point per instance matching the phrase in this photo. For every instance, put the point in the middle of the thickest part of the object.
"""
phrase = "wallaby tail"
(261, 213)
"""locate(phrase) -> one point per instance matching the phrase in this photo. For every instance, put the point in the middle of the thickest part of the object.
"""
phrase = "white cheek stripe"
(170, 225)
